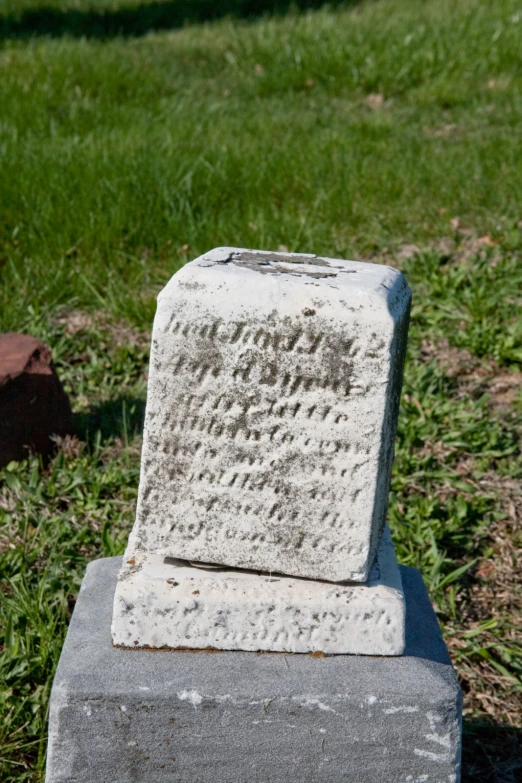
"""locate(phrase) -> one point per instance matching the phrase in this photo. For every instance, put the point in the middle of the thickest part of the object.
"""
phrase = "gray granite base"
(140, 716)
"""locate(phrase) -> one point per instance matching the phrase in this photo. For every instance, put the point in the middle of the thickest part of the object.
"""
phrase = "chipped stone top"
(295, 282)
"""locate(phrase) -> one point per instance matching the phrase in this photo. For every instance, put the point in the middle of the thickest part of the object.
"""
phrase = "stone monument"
(272, 405)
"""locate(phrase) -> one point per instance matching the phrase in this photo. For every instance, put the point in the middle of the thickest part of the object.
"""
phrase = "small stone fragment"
(33, 404)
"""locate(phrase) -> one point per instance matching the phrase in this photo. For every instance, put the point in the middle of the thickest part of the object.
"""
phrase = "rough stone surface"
(271, 413)
(173, 604)
(33, 404)
(138, 716)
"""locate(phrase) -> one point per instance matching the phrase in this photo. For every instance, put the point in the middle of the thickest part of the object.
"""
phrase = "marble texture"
(171, 604)
(272, 404)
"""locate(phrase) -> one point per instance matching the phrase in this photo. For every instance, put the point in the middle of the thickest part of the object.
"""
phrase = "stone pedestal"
(166, 603)
(139, 716)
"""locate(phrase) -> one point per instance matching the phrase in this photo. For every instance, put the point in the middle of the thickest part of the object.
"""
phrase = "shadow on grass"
(119, 418)
(491, 753)
(141, 19)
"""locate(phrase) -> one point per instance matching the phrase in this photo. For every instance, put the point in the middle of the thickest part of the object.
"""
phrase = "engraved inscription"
(256, 425)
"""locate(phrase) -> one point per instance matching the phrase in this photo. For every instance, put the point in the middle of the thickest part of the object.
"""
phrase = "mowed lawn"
(136, 135)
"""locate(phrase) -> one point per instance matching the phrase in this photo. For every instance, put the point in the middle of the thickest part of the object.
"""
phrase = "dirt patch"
(489, 610)
(75, 321)
(119, 332)
(445, 130)
(485, 636)
(474, 376)
(374, 100)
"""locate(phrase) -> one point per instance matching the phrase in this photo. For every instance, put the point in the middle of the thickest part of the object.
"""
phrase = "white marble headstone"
(271, 413)
(164, 603)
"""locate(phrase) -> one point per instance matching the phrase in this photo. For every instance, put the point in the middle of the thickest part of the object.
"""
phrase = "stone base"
(167, 603)
(129, 716)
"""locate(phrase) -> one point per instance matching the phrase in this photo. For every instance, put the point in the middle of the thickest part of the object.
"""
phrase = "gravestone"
(272, 404)
(271, 413)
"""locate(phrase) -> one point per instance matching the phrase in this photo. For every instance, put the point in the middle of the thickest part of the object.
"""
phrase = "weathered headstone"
(272, 405)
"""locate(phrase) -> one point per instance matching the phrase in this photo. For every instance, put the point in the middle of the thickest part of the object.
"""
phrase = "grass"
(383, 130)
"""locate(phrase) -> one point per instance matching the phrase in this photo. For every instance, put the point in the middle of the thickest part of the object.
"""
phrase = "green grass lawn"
(387, 130)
